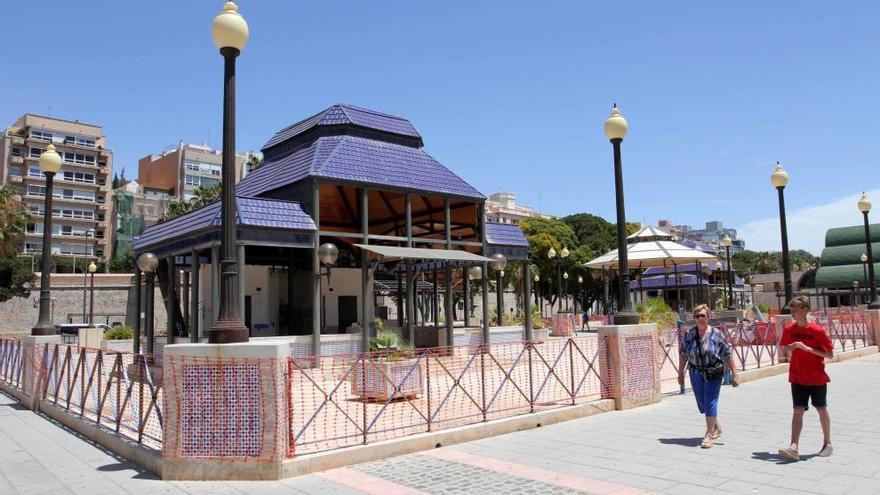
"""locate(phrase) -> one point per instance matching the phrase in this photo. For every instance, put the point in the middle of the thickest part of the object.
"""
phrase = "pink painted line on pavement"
(564, 480)
(366, 483)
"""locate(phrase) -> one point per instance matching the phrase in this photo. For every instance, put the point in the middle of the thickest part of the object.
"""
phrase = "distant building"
(501, 207)
(135, 208)
(182, 169)
(712, 234)
(81, 207)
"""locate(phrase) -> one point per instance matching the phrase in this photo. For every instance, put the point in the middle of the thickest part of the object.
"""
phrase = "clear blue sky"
(509, 95)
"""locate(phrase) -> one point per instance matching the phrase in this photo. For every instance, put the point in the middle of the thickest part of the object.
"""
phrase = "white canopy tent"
(651, 247)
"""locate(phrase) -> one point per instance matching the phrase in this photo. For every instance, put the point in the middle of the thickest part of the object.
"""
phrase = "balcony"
(16, 160)
(16, 139)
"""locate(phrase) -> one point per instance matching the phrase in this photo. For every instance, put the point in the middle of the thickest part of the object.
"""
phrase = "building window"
(15, 171)
(15, 151)
(43, 135)
(35, 172)
(34, 152)
(80, 158)
(79, 177)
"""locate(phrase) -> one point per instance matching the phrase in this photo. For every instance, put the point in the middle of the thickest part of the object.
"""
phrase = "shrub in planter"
(389, 372)
(118, 333)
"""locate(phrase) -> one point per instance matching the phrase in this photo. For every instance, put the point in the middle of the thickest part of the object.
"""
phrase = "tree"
(16, 275)
(115, 184)
(253, 163)
(204, 195)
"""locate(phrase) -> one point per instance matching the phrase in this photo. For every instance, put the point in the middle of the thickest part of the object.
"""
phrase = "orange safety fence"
(339, 401)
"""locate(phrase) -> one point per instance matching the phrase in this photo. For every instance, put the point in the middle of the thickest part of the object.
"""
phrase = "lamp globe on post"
(498, 263)
(865, 207)
(92, 269)
(864, 260)
(147, 263)
(779, 179)
(50, 164)
(727, 242)
(230, 34)
(616, 128)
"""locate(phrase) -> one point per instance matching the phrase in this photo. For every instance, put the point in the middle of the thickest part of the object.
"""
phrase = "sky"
(511, 96)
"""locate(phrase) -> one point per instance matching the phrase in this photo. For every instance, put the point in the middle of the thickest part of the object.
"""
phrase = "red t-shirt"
(807, 368)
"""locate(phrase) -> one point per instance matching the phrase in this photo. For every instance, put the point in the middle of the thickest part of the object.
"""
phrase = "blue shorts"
(706, 392)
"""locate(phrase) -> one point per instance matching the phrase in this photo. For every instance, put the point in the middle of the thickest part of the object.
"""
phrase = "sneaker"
(790, 454)
(826, 451)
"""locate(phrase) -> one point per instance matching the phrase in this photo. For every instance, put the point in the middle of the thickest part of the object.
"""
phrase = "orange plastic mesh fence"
(338, 401)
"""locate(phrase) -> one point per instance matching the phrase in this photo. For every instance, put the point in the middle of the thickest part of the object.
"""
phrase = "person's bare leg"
(825, 421)
(711, 425)
(797, 424)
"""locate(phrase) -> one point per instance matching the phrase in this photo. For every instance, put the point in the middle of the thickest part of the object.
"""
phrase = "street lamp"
(580, 292)
(50, 164)
(92, 269)
(498, 263)
(537, 294)
(230, 34)
(147, 263)
(565, 289)
(727, 242)
(864, 259)
(328, 253)
(615, 130)
(779, 178)
(855, 285)
(865, 208)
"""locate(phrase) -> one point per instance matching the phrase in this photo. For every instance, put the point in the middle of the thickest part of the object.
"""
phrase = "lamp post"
(615, 130)
(853, 301)
(230, 34)
(328, 253)
(148, 262)
(779, 179)
(865, 208)
(864, 259)
(727, 242)
(92, 269)
(499, 262)
(537, 295)
(579, 294)
(50, 164)
(565, 289)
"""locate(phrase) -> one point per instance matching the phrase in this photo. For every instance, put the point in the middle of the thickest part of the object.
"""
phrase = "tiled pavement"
(651, 449)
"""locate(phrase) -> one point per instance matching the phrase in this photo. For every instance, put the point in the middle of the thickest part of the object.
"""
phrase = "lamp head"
(229, 29)
(564, 253)
(476, 273)
(148, 262)
(864, 203)
(580, 279)
(615, 125)
(499, 261)
(565, 275)
(726, 242)
(93, 267)
(328, 253)
(779, 177)
(537, 278)
(864, 258)
(50, 160)
(551, 253)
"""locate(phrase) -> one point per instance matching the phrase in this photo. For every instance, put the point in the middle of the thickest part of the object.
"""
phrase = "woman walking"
(705, 351)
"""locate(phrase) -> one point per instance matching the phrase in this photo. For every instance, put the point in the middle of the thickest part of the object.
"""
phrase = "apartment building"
(81, 205)
(501, 207)
(182, 169)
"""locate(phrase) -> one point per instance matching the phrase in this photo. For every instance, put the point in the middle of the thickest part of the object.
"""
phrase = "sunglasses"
(701, 316)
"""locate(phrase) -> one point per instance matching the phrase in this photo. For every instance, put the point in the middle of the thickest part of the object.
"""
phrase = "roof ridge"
(342, 107)
(374, 112)
(314, 166)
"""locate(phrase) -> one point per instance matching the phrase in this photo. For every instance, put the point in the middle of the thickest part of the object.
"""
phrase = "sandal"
(717, 433)
(708, 441)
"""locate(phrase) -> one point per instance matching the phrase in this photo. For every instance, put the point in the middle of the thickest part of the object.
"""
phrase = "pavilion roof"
(505, 234)
(358, 160)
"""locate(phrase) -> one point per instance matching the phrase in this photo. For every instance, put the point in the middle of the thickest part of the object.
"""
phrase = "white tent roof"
(652, 253)
(650, 234)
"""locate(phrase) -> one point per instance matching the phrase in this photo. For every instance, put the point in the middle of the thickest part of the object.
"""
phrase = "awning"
(397, 252)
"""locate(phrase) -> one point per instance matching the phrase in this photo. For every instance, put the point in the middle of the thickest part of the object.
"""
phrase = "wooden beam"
(347, 205)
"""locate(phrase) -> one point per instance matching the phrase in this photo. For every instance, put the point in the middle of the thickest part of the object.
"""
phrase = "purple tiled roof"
(361, 160)
(706, 248)
(252, 212)
(505, 234)
(690, 267)
(347, 114)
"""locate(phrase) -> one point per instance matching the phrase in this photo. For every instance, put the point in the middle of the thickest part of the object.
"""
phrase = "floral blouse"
(707, 353)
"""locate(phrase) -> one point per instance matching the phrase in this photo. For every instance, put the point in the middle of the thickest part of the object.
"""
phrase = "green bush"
(118, 333)
(655, 310)
(391, 344)
(764, 308)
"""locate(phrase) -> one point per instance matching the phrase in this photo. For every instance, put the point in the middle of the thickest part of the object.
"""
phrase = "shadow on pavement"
(778, 459)
(128, 466)
(684, 442)
(16, 405)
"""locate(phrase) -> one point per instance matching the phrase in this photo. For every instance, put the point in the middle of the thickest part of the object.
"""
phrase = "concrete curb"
(778, 369)
(322, 461)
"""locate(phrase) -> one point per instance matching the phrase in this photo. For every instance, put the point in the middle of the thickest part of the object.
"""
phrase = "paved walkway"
(648, 450)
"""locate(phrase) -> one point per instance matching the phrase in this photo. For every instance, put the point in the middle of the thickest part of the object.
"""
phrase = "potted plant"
(389, 372)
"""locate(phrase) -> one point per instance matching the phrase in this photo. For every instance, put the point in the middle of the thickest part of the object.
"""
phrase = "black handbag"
(713, 373)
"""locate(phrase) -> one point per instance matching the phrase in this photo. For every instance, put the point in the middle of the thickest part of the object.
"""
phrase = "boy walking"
(808, 346)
